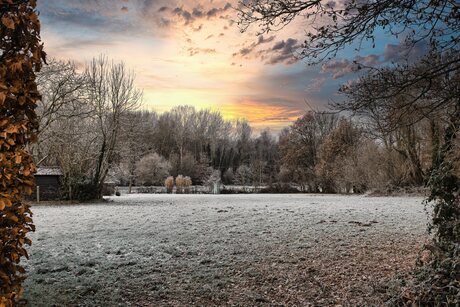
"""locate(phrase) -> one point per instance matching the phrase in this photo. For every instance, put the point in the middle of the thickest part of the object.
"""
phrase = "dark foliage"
(280, 188)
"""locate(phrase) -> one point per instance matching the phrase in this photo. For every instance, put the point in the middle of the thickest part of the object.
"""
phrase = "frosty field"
(182, 250)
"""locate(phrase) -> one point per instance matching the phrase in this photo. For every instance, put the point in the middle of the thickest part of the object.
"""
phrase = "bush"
(151, 169)
(183, 184)
(85, 191)
(187, 184)
(169, 184)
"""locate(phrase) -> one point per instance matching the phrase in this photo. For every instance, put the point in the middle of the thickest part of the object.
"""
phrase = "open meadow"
(240, 250)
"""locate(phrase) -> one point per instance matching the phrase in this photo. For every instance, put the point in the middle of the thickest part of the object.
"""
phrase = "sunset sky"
(192, 52)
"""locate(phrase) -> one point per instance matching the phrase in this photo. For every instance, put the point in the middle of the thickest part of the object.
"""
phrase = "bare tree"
(136, 140)
(338, 164)
(111, 93)
(63, 92)
(63, 98)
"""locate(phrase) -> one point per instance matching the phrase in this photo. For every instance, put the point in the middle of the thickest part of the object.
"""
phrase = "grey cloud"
(190, 16)
(287, 59)
(403, 52)
(369, 60)
(186, 15)
(248, 49)
(244, 51)
(282, 52)
(197, 12)
(195, 51)
(339, 68)
(315, 85)
(279, 45)
(99, 16)
(212, 12)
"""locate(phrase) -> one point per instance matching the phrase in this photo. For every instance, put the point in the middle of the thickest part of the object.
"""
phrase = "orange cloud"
(261, 115)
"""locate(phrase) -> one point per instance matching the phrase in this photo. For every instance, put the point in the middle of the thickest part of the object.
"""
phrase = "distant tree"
(21, 57)
(338, 160)
(214, 181)
(152, 169)
(134, 142)
(243, 175)
(300, 145)
(182, 118)
(228, 177)
(243, 141)
(265, 158)
(198, 171)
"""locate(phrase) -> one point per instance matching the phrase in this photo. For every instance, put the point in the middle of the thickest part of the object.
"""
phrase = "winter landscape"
(229, 153)
(239, 250)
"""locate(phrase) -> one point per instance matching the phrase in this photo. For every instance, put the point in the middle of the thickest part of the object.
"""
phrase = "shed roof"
(48, 171)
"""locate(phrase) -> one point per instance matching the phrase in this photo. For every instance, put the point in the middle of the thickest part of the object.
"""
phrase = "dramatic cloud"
(191, 52)
(281, 52)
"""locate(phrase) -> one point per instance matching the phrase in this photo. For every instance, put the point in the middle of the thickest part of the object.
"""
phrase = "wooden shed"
(48, 183)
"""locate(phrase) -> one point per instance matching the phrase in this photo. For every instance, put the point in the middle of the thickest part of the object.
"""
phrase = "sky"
(193, 53)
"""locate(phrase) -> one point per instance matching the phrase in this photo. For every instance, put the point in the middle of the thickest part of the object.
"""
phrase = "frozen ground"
(243, 250)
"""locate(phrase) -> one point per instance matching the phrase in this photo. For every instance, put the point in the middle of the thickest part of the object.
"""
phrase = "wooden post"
(38, 194)
(70, 193)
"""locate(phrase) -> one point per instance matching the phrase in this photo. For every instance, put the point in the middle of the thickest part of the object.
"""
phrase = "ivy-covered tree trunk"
(438, 277)
(21, 56)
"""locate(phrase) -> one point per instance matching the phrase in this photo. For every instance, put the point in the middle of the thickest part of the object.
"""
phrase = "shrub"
(183, 184)
(85, 191)
(187, 184)
(151, 169)
(169, 184)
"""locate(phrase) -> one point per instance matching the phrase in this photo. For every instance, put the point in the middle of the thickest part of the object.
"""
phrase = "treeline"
(92, 129)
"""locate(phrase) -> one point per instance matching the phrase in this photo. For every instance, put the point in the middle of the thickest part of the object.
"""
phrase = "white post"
(38, 194)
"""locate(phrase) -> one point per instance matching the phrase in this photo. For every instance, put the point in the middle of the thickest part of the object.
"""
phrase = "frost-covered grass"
(150, 250)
